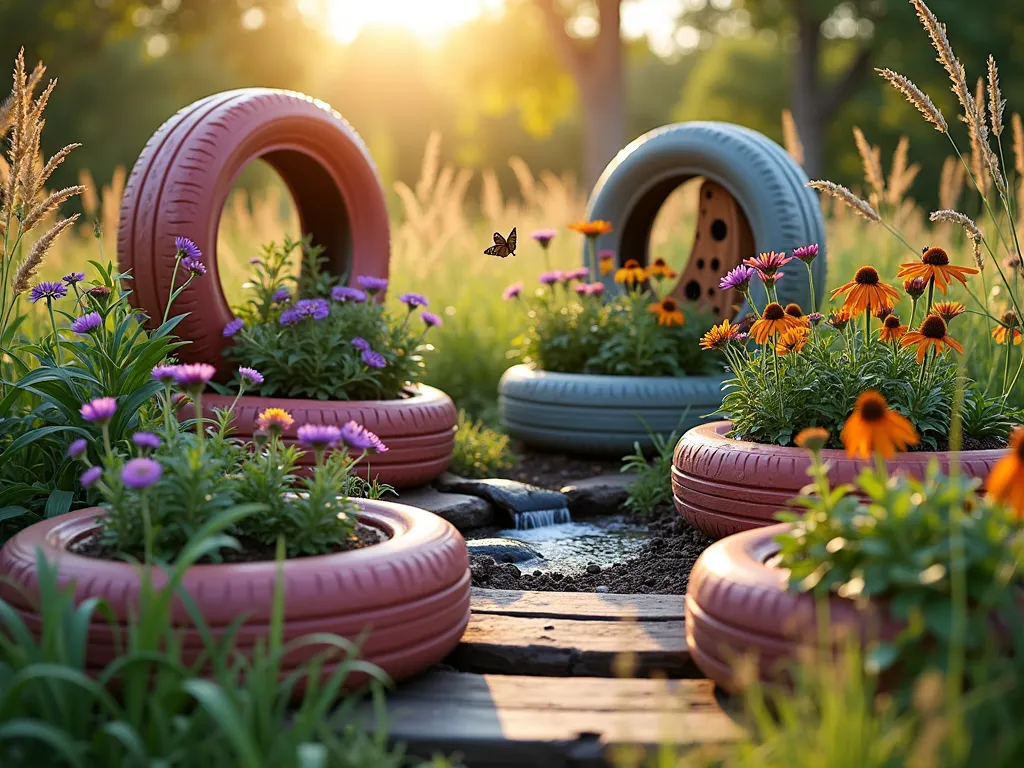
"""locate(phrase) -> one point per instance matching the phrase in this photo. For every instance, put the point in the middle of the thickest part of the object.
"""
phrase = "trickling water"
(541, 518)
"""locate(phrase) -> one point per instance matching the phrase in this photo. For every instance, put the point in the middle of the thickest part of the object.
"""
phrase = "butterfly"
(503, 247)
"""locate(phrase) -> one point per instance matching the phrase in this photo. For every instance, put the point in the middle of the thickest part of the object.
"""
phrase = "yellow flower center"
(934, 327)
(936, 257)
(774, 311)
(866, 276)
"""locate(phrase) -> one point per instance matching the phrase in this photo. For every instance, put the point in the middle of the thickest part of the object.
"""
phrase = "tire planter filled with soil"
(182, 179)
(419, 429)
(601, 415)
(723, 486)
(406, 598)
(754, 199)
(737, 606)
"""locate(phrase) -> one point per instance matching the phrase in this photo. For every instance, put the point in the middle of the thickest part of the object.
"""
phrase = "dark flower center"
(669, 305)
(892, 322)
(1018, 444)
(866, 276)
(632, 264)
(659, 262)
(872, 409)
(934, 327)
(936, 257)
(774, 312)
(1010, 320)
(793, 310)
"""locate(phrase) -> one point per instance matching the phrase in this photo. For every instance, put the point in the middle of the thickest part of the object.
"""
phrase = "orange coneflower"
(794, 311)
(721, 335)
(793, 340)
(839, 318)
(934, 265)
(660, 270)
(631, 272)
(812, 438)
(873, 427)
(1005, 482)
(275, 420)
(1002, 332)
(592, 228)
(606, 260)
(947, 310)
(932, 333)
(891, 329)
(866, 290)
(773, 322)
(668, 312)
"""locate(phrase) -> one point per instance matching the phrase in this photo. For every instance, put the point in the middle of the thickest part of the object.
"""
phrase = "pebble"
(593, 568)
(601, 588)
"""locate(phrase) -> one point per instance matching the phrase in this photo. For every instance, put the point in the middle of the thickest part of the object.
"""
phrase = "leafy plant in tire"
(313, 337)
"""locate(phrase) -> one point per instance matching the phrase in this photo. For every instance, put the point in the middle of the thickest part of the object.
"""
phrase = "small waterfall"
(541, 518)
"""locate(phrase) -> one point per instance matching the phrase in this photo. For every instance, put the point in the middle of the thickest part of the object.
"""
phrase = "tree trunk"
(806, 98)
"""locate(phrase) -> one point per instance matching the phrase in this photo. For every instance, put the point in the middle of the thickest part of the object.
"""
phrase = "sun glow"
(429, 19)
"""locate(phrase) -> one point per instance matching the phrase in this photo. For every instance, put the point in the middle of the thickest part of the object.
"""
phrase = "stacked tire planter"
(754, 199)
(179, 186)
(723, 486)
(406, 599)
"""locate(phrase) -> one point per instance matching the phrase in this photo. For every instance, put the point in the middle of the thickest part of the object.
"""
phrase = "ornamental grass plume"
(874, 428)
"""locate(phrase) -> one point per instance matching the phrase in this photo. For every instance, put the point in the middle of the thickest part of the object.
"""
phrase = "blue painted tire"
(601, 415)
(769, 186)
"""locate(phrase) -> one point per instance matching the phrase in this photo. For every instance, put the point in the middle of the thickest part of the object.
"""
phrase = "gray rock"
(503, 550)
(593, 569)
(513, 497)
(602, 495)
(601, 588)
(461, 510)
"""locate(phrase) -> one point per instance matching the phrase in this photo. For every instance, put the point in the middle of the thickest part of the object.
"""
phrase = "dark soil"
(250, 552)
(555, 470)
(976, 444)
(662, 567)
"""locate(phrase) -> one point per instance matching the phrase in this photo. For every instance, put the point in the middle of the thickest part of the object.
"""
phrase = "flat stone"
(463, 511)
(503, 550)
(601, 495)
(509, 495)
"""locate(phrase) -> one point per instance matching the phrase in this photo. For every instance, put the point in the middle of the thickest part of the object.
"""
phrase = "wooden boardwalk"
(562, 679)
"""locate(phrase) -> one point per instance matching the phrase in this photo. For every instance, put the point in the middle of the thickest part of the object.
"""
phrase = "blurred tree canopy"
(506, 86)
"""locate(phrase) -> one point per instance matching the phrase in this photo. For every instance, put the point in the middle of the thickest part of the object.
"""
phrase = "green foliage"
(479, 450)
(570, 333)
(652, 487)
(172, 708)
(925, 546)
(304, 348)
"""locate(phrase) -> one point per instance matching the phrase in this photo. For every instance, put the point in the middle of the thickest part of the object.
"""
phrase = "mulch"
(555, 470)
(662, 566)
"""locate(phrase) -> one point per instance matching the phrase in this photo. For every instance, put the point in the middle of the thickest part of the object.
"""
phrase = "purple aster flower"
(768, 263)
(344, 293)
(737, 279)
(100, 410)
(318, 436)
(374, 359)
(90, 476)
(86, 323)
(77, 448)
(193, 266)
(188, 249)
(582, 273)
(48, 290)
(359, 438)
(73, 277)
(807, 253)
(165, 374)
(146, 440)
(595, 289)
(281, 294)
(550, 278)
(290, 317)
(815, 317)
(373, 284)
(250, 376)
(141, 473)
(234, 326)
(413, 300)
(432, 320)
(360, 343)
(512, 292)
(194, 375)
(544, 236)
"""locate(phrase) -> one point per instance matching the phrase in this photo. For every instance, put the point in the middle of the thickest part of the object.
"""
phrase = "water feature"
(541, 518)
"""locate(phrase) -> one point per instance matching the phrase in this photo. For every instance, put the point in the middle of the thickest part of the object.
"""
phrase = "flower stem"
(174, 277)
(1006, 360)
(53, 325)
(147, 526)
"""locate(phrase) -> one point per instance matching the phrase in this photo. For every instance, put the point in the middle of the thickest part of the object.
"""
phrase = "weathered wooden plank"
(496, 720)
(516, 645)
(581, 606)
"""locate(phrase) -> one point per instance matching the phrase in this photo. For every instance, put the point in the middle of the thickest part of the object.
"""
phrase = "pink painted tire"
(182, 179)
(723, 486)
(419, 430)
(407, 598)
(737, 606)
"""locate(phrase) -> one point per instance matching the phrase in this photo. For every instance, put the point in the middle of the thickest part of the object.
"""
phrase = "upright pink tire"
(406, 599)
(182, 179)
(418, 430)
(723, 486)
